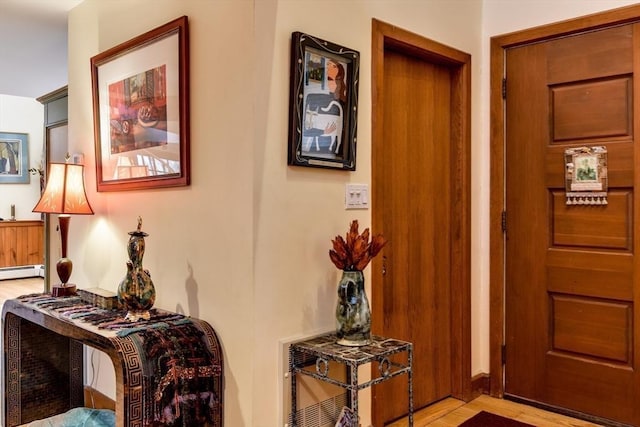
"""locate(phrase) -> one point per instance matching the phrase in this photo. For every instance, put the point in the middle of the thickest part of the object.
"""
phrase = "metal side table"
(311, 357)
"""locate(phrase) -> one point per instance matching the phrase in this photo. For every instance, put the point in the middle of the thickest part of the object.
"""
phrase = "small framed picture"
(323, 103)
(14, 158)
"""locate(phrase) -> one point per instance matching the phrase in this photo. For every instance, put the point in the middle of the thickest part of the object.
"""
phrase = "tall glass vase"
(353, 315)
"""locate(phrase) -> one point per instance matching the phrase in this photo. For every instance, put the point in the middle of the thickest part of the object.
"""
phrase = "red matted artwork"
(140, 110)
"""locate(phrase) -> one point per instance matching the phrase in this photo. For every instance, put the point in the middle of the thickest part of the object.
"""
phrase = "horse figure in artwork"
(323, 122)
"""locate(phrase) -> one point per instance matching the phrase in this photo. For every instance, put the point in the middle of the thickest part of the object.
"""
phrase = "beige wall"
(200, 244)
(22, 115)
(251, 232)
(245, 246)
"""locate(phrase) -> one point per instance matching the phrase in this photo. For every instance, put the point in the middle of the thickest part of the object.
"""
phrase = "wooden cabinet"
(21, 243)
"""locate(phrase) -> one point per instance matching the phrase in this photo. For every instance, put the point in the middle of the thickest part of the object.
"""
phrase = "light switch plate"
(356, 196)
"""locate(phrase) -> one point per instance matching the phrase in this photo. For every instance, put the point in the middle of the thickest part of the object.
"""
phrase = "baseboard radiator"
(318, 403)
(321, 414)
(7, 273)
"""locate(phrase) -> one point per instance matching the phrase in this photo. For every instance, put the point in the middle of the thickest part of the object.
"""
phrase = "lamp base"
(63, 290)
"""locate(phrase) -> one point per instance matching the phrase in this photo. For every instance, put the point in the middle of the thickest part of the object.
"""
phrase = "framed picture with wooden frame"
(141, 111)
(14, 158)
(323, 103)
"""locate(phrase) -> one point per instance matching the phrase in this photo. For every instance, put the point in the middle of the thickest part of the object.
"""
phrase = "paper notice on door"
(586, 175)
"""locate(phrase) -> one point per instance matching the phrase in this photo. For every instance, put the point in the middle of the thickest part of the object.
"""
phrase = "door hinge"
(504, 221)
(504, 354)
(504, 88)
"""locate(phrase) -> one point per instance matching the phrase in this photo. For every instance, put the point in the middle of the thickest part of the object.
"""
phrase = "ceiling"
(34, 46)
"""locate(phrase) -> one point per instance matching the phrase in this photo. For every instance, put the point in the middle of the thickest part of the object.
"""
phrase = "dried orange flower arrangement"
(355, 252)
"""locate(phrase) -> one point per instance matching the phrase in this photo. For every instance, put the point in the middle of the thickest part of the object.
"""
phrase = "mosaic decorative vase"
(136, 292)
(353, 315)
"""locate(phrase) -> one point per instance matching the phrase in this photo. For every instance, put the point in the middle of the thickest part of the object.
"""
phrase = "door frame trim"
(387, 36)
(499, 46)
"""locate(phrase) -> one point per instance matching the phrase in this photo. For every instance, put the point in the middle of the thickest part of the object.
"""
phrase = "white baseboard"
(21, 272)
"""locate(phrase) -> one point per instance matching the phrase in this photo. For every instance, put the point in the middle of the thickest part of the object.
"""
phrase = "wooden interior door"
(571, 275)
(421, 290)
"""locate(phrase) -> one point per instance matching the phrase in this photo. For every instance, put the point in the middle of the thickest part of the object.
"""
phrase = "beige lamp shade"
(64, 193)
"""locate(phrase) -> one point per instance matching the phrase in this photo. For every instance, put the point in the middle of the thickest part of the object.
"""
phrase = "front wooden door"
(572, 280)
(420, 204)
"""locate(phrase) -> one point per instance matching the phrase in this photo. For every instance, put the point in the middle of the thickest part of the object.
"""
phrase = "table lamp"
(64, 195)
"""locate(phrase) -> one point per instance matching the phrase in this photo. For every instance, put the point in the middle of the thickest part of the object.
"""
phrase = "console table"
(311, 357)
(44, 364)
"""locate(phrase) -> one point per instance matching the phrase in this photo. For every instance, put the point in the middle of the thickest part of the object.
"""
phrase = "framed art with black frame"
(323, 103)
(141, 110)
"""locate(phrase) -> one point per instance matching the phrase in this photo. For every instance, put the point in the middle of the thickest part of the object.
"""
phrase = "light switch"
(356, 196)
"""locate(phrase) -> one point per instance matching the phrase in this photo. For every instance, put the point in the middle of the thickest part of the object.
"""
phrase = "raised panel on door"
(57, 143)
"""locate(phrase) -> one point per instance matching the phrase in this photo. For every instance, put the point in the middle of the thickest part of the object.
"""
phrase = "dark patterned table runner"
(75, 309)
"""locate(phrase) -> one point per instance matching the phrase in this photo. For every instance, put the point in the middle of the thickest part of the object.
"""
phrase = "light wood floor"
(452, 412)
(14, 288)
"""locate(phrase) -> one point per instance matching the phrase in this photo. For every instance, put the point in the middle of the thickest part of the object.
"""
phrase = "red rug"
(487, 419)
